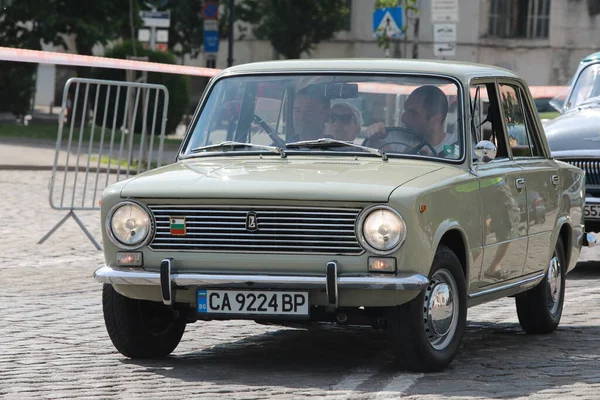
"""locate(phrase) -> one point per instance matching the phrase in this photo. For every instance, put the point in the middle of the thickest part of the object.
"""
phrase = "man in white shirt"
(425, 111)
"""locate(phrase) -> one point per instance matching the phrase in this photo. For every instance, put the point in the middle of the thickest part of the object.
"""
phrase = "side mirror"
(485, 151)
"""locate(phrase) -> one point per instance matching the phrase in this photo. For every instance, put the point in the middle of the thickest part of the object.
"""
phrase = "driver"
(425, 111)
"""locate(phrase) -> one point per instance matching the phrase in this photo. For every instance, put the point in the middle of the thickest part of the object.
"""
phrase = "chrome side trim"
(133, 276)
(508, 286)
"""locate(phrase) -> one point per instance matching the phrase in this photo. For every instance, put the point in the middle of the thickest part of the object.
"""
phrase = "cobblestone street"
(53, 342)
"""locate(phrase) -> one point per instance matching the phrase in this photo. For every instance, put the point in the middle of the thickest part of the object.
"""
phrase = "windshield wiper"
(591, 100)
(327, 143)
(233, 145)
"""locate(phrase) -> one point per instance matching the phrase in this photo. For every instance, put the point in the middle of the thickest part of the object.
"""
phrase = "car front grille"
(591, 166)
(297, 230)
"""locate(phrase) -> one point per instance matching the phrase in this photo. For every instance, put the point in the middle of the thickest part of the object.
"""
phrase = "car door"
(539, 172)
(503, 195)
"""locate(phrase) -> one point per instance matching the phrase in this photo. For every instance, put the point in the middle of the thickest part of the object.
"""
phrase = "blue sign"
(210, 10)
(387, 21)
(211, 41)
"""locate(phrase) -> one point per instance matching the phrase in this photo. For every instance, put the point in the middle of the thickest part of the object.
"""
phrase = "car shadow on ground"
(585, 270)
(492, 356)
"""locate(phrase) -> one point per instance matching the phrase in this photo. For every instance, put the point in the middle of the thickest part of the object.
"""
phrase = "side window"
(485, 118)
(520, 138)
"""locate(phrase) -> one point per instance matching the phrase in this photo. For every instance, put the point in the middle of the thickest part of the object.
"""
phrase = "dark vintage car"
(574, 136)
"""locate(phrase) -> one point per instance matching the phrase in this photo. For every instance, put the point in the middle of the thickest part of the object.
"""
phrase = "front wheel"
(426, 332)
(139, 328)
(540, 308)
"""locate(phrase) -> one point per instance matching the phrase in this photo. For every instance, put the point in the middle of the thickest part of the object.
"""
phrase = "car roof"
(592, 57)
(460, 70)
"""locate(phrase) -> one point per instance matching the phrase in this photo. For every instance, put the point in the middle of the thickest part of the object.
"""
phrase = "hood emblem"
(177, 226)
(251, 221)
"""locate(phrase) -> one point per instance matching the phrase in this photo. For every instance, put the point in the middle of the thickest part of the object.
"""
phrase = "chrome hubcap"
(440, 309)
(554, 278)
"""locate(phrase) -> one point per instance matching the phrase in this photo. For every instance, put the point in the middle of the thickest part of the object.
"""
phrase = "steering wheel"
(401, 140)
(277, 141)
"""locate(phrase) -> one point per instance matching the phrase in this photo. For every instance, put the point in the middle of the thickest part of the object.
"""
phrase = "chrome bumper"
(131, 276)
(330, 281)
(589, 240)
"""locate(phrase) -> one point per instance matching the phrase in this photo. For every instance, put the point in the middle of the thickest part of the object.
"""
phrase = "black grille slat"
(298, 230)
(591, 168)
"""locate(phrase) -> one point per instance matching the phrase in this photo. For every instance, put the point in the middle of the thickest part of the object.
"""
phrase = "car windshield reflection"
(586, 90)
(417, 116)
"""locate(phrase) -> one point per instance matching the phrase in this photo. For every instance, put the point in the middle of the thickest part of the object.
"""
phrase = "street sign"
(387, 21)
(444, 10)
(444, 33)
(444, 49)
(211, 25)
(211, 41)
(210, 10)
(156, 19)
(162, 36)
(144, 35)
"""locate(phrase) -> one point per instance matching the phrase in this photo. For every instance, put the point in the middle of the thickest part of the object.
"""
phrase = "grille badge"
(251, 221)
(177, 226)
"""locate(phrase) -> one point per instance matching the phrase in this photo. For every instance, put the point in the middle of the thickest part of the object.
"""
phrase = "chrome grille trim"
(591, 166)
(293, 230)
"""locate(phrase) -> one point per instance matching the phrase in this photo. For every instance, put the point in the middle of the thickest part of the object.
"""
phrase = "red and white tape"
(49, 57)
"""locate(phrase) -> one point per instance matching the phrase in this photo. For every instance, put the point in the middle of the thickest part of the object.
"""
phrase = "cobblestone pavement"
(53, 343)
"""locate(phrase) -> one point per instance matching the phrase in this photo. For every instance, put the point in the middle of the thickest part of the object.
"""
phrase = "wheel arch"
(455, 239)
(566, 234)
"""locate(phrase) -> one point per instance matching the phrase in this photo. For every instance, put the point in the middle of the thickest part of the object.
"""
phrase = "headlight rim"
(361, 237)
(113, 238)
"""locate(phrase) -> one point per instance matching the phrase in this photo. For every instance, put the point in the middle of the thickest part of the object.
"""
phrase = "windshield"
(587, 87)
(395, 115)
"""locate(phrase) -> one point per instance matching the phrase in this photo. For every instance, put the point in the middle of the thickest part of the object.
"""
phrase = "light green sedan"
(388, 193)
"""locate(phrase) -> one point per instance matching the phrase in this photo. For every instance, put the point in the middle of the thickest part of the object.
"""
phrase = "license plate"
(252, 302)
(592, 211)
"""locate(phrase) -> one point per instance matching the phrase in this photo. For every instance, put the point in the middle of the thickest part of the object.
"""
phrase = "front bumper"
(330, 281)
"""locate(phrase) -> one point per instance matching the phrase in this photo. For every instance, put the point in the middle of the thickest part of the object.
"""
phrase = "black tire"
(139, 328)
(540, 308)
(416, 344)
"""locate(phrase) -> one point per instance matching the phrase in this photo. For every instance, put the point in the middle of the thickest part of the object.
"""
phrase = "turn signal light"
(382, 264)
(129, 259)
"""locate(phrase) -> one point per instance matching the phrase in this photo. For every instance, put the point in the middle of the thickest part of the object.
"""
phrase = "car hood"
(286, 179)
(575, 130)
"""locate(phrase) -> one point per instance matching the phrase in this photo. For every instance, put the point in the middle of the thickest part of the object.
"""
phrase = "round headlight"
(129, 224)
(382, 230)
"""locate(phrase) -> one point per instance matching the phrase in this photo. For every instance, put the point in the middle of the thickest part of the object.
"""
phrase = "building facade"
(541, 40)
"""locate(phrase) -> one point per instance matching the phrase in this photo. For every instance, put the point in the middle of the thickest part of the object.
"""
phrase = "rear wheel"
(139, 328)
(427, 331)
(540, 308)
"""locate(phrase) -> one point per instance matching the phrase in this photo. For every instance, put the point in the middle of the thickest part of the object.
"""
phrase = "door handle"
(555, 180)
(520, 183)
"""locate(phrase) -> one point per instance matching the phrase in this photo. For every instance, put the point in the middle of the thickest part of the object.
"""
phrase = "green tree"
(18, 79)
(293, 27)
(30, 22)
(178, 87)
(186, 33)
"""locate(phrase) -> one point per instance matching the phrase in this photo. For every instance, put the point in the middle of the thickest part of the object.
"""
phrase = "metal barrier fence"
(103, 145)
